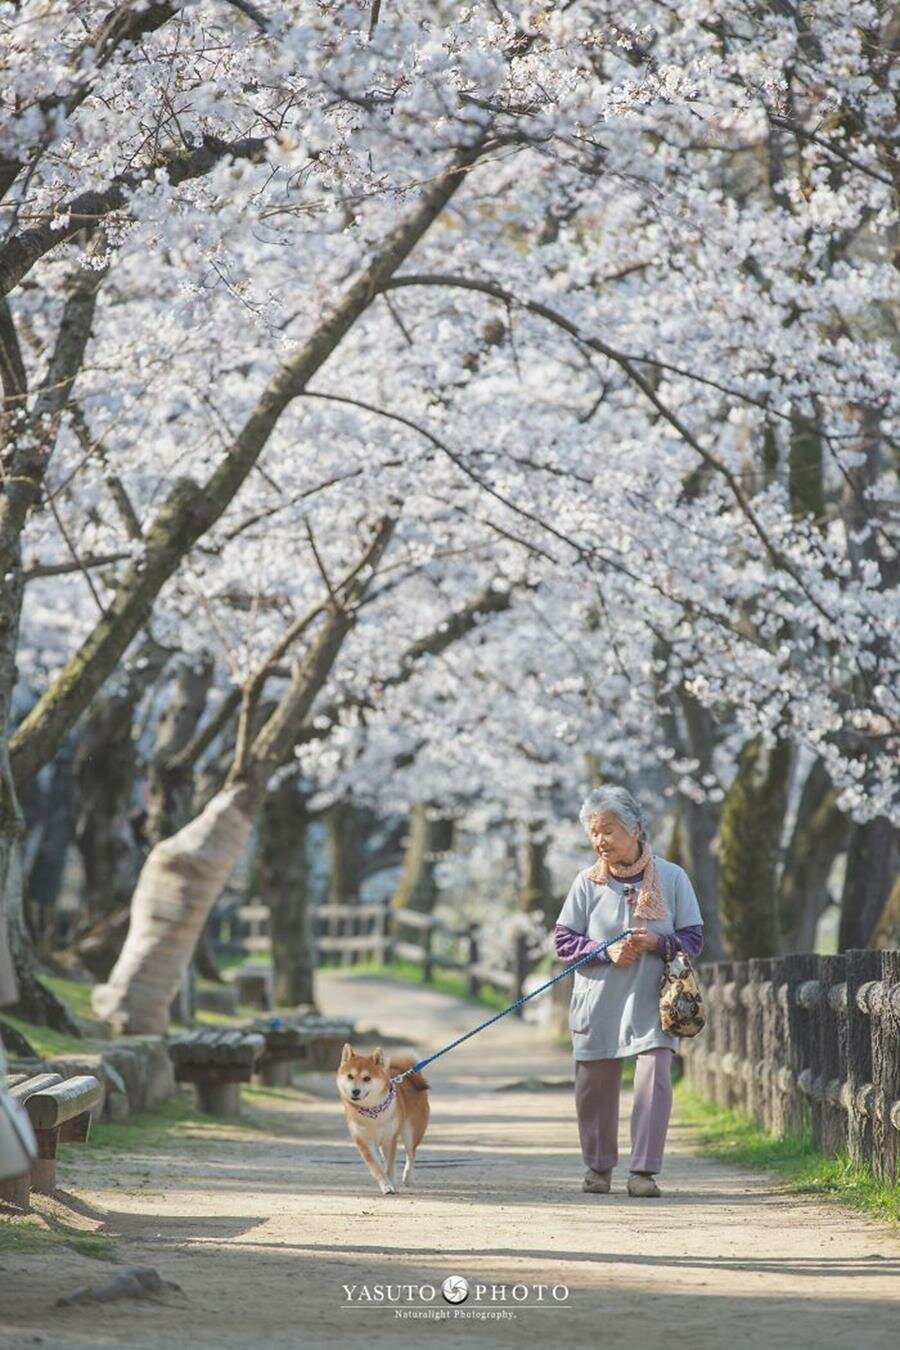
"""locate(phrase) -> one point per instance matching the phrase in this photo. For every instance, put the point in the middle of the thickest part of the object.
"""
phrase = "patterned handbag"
(681, 1009)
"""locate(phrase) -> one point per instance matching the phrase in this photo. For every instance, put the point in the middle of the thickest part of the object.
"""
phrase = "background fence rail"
(807, 1043)
(351, 933)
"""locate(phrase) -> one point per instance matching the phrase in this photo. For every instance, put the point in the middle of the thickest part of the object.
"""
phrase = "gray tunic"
(614, 1010)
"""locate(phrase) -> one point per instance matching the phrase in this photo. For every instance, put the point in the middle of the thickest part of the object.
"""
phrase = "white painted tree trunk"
(179, 884)
(184, 874)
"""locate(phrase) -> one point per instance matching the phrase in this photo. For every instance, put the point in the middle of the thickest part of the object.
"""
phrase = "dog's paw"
(388, 1188)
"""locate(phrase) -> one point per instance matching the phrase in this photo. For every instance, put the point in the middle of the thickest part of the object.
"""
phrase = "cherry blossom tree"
(606, 303)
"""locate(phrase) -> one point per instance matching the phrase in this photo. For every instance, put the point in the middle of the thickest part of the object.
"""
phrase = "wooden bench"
(60, 1112)
(313, 1042)
(285, 1042)
(216, 1062)
(327, 1036)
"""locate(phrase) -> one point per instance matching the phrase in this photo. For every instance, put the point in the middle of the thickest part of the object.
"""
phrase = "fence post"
(863, 967)
(739, 1084)
(473, 981)
(713, 1078)
(780, 1070)
(702, 1067)
(833, 1055)
(692, 1049)
(756, 1089)
(379, 934)
(521, 969)
(390, 933)
(427, 958)
(724, 1035)
(799, 970)
(707, 1081)
(771, 1045)
(886, 1070)
(347, 929)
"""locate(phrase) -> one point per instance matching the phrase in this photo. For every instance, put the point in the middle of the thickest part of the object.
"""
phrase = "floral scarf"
(650, 903)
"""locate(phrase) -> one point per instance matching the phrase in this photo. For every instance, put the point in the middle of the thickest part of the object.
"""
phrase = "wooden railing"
(350, 933)
(807, 1043)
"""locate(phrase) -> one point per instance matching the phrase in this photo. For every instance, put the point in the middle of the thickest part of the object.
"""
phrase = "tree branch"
(20, 253)
(191, 509)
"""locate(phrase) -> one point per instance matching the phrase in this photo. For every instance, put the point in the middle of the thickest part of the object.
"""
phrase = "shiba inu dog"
(380, 1113)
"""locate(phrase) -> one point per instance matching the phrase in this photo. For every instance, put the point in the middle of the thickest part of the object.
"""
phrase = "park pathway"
(262, 1227)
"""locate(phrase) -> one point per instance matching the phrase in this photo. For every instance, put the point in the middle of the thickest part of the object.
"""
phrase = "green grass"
(733, 1137)
(175, 1124)
(44, 1040)
(74, 993)
(77, 997)
(205, 1017)
(172, 1123)
(24, 1235)
(228, 962)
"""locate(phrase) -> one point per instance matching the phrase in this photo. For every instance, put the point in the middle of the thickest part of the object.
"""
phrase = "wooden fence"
(350, 933)
(807, 1043)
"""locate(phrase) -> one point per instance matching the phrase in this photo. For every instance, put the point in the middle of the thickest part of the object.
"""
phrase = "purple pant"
(597, 1084)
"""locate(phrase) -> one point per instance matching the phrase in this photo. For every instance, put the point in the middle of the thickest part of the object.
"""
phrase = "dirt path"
(263, 1226)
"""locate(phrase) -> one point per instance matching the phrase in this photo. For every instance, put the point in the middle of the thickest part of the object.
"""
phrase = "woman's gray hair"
(618, 800)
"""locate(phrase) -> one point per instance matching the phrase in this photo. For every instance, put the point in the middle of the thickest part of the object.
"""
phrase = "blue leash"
(588, 956)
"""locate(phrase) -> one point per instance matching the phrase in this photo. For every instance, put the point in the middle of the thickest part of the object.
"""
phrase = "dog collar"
(377, 1110)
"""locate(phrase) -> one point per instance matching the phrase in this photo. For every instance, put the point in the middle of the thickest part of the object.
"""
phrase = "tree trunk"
(205, 963)
(749, 844)
(692, 735)
(871, 871)
(48, 842)
(345, 853)
(98, 947)
(35, 1002)
(701, 825)
(805, 470)
(180, 882)
(184, 875)
(9, 988)
(428, 837)
(105, 771)
(106, 768)
(820, 833)
(535, 889)
(675, 852)
(886, 933)
(283, 886)
(26, 445)
(170, 782)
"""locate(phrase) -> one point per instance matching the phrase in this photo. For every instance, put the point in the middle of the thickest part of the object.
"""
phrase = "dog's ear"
(377, 1055)
(347, 1051)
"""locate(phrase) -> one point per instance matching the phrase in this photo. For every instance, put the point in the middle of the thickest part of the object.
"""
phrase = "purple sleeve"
(571, 946)
(689, 939)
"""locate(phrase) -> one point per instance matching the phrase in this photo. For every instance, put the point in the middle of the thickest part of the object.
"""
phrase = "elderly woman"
(614, 1010)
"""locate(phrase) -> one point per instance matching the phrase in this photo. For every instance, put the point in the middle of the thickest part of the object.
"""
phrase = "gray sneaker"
(642, 1183)
(597, 1182)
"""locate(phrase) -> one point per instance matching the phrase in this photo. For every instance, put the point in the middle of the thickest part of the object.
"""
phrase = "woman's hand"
(632, 948)
(643, 941)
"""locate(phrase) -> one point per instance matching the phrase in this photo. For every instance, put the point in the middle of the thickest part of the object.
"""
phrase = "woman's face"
(611, 839)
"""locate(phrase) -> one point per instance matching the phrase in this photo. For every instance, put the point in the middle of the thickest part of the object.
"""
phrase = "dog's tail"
(403, 1062)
